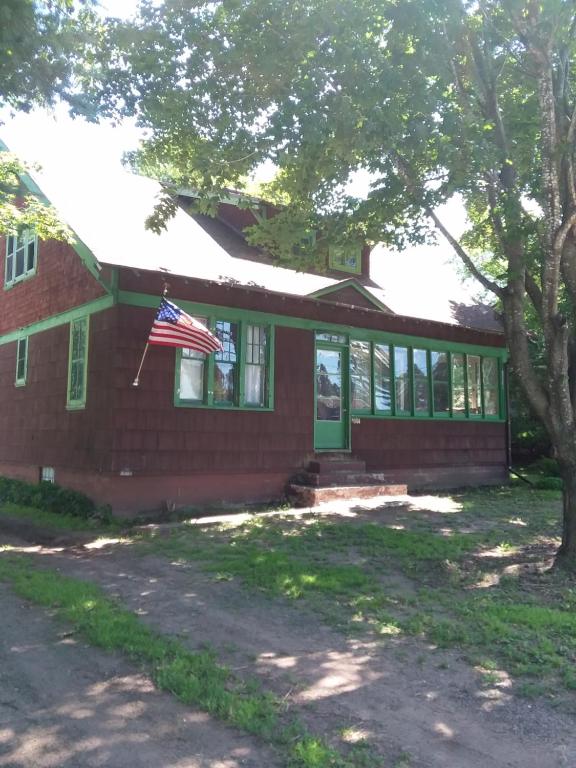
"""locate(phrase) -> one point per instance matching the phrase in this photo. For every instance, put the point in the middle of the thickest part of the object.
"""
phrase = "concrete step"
(308, 496)
(331, 465)
(343, 478)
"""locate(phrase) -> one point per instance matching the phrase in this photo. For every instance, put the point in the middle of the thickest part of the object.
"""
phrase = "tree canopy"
(43, 46)
(46, 51)
(432, 97)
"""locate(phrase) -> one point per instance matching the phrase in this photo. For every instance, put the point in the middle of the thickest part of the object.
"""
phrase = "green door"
(332, 426)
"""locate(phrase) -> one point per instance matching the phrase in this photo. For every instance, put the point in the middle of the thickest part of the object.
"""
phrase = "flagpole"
(136, 381)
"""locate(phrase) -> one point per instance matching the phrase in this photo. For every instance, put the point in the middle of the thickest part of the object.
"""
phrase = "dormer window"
(345, 258)
(21, 257)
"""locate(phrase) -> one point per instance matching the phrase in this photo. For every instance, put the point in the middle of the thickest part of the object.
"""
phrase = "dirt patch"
(66, 705)
(404, 697)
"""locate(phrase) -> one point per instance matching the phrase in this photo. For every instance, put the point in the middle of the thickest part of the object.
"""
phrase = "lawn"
(466, 571)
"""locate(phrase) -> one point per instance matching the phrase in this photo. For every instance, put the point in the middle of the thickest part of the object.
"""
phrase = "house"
(316, 370)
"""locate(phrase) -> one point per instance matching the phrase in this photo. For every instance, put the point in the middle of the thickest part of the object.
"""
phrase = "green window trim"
(21, 362)
(78, 363)
(384, 384)
(345, 258)
(21, 258)
(134, 299)
(245, 349)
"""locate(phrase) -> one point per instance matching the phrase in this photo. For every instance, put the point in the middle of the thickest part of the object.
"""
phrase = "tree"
(45, 52)
(19, 211)
(432, 97)
(43, 45)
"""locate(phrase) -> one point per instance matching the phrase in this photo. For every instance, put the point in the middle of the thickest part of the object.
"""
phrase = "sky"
(420, 281)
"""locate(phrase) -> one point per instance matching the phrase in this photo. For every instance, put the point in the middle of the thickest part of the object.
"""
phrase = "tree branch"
(417, 192)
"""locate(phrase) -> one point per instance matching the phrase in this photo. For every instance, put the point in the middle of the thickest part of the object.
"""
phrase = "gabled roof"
(108, 216)
(372, 294)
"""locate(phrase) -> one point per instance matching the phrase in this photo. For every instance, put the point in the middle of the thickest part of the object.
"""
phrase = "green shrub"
(46, 496)
(547, 483)
(545, 466)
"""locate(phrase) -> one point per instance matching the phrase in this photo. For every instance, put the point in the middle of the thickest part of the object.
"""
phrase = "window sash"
(78, 363)
(474, 381)
(402, 378)
(360, 376)
(421, 375)
(382, 378)
(345, 258)
(21, 257)
(21, 361)
(490, 387)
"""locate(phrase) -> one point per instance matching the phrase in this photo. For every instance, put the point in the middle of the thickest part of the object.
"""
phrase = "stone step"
(308, 496)
(342, 477)
(328, 466)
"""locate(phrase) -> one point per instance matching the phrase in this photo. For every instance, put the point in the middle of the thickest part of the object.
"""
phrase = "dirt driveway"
(66, 705)
(419, 709)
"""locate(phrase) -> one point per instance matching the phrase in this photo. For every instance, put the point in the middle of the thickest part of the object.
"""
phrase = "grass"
(195, 678)
(448, 577)
(55, 522)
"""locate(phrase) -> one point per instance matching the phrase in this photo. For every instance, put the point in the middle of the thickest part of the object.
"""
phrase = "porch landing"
(339, 476)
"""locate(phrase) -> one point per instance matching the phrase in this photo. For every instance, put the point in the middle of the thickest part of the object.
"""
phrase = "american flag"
(174, 328)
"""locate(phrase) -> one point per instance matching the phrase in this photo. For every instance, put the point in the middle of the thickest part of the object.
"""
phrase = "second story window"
(21, 257)
(345, 258)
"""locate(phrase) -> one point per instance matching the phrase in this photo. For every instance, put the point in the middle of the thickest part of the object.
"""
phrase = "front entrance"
(332, 422)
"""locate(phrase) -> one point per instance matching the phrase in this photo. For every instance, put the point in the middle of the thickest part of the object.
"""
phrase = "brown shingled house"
(318, 378)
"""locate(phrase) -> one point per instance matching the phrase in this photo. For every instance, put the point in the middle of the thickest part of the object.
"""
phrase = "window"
(236, 377)
(458, 385)
(21, 255)
(192, 374)
(78, 363)
(47, 475)
(421, 381)
(192, 370)
(490, 385)
(360, 376)
(345, 258)
(21, 361)
(402, 380)
(226, 363)
(382, 378)
(440, 382)
(474, 375)
(255, 366)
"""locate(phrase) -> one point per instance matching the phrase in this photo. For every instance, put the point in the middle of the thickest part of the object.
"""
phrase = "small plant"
(48, 497)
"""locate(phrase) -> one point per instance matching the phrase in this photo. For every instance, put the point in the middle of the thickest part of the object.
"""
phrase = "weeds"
(195, 678)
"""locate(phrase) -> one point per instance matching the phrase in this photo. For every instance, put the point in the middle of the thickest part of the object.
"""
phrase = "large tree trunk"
(566, 555)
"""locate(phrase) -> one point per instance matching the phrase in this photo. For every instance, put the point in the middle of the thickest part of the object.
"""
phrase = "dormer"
(237, 211)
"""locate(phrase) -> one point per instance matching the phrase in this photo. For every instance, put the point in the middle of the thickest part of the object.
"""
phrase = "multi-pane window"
(345, 258)
(237, 376)
(21, 361)
(21, 253)
(474, 374)
(490, 382)
(78, 363)
(421, 381)
(402, 380)
(382, 378)
(360, 376)
(458, 385)
(255, 365)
